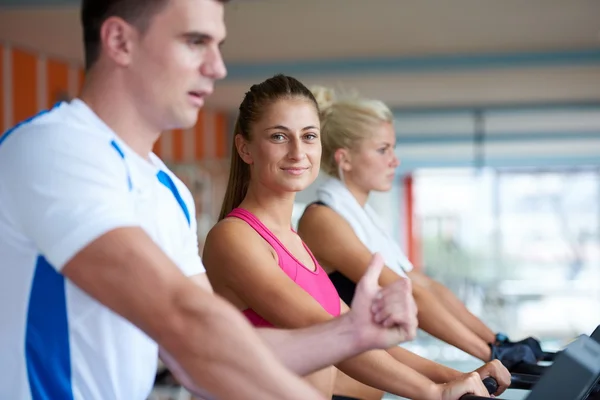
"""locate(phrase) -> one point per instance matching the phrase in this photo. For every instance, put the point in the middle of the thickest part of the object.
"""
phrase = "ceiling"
(407, 52)
(310, 29)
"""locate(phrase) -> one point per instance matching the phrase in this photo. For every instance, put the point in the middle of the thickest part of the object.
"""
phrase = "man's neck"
(120, 114)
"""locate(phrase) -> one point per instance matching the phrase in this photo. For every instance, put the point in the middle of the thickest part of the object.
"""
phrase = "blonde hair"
(345, 122)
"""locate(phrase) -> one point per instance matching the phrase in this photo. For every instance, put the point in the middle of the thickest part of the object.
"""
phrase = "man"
(98, 240)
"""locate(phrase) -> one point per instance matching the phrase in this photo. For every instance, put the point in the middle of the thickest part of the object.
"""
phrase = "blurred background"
(497, 108)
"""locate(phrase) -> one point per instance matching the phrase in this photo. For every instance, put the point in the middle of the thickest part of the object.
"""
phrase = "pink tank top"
(316, 283)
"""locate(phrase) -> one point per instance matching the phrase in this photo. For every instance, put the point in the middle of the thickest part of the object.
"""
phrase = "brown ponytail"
(239, 178)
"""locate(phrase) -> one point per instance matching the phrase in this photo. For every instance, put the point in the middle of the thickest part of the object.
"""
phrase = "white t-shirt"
(66, 179)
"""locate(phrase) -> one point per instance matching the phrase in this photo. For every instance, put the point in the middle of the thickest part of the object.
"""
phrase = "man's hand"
(496, 370)
(383, 317)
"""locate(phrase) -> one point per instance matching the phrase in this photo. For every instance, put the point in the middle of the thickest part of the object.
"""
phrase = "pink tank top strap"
(260, 228)
(316, 283)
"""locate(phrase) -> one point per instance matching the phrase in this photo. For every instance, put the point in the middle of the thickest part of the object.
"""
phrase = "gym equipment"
(596, 334)
(513, 354)
(529, 369)
(573, 376)
(520, 382)
(525, 382)
(528, 381)
(502, 341)
(490, 384)
(550, 356)
(534, 369)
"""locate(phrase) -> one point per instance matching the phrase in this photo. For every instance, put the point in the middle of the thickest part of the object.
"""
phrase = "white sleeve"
(400, 257)
(64, 190)
(191, 263)
(407, 266)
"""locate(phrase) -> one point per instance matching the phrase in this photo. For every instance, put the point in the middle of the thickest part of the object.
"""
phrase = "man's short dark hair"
(95, 12)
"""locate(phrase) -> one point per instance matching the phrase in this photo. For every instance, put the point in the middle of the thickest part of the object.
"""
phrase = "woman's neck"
(272, 208)
(359, 194)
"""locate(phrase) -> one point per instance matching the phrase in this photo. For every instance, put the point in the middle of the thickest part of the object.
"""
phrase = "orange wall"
(2, 89)
(207, 140)
(31, 82)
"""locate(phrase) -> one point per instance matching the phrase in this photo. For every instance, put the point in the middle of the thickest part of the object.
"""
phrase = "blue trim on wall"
(427, 139)
(407, 165)
(512, 108)
(435, 63)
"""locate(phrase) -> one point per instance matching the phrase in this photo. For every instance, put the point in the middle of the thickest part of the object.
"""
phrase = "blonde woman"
(358, 153)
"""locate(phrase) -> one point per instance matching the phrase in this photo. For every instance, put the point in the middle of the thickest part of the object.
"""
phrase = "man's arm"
(310, 349)
(207, 337)
(303, 350)
(379, 319)
(68, 194)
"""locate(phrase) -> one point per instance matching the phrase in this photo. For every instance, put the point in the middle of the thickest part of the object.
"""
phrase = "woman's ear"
(241, 145)
(342, 159)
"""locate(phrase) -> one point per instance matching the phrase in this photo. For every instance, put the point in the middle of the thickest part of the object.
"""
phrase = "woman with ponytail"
(256, 260)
